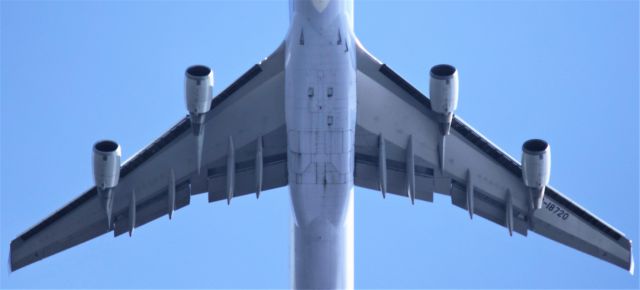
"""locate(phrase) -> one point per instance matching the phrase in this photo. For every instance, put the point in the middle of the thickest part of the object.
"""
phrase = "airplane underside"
(322, 115)
(320, 107)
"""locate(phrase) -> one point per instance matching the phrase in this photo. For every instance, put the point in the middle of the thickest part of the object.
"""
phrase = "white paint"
(320, 108)
(320, 5)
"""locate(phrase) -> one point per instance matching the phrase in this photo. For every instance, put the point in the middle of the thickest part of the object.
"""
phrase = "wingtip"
(13, 265)
(10, 267)
(632, 266)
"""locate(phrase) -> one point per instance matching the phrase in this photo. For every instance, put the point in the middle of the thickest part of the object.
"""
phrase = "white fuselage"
(320, 100)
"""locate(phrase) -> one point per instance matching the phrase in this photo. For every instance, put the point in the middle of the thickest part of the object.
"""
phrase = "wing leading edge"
(250, 112)
(478, 176)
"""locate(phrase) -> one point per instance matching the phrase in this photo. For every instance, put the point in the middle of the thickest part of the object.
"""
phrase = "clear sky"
(76, 72)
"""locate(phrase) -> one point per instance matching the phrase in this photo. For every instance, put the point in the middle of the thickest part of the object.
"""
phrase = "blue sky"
(75, 72)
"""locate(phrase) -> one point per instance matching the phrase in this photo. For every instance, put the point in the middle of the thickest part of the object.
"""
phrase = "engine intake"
(199, 94)
(443, 90)
(536, 169)
(198, 89)
(106, 164)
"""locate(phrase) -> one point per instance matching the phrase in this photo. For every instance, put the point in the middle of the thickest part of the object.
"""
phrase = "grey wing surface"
(250, 112)
(395, 121)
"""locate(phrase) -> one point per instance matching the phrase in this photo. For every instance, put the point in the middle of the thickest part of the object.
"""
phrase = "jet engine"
(536, 169)
(106, 173)
(198, 86)
(199, 93)
(443, 90)
(106, 164)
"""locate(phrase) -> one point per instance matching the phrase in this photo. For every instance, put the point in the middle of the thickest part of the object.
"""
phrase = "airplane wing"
(249, 113)
(395, 121)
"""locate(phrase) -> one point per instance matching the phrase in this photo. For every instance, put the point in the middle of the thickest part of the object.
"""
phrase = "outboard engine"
(199, 94)
(536, 169)
(106, 172)
(443, 90)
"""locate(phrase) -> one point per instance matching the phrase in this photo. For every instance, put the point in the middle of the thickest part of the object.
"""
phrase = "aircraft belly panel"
(320, 110)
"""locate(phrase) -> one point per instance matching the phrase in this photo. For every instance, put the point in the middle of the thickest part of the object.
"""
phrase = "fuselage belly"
(320, 100)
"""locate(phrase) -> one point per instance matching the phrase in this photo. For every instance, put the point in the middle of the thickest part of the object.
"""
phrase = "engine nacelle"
(443, 90)
(198, 86)
(106, 164)
(536, 168)
(198, 89)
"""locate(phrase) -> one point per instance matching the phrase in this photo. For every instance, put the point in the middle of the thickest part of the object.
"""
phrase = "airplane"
(271, 138)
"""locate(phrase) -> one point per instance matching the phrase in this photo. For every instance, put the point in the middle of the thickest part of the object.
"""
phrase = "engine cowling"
(199, 94)
(536, 168)
(198, 89)
(443, 90)
(106, 164)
